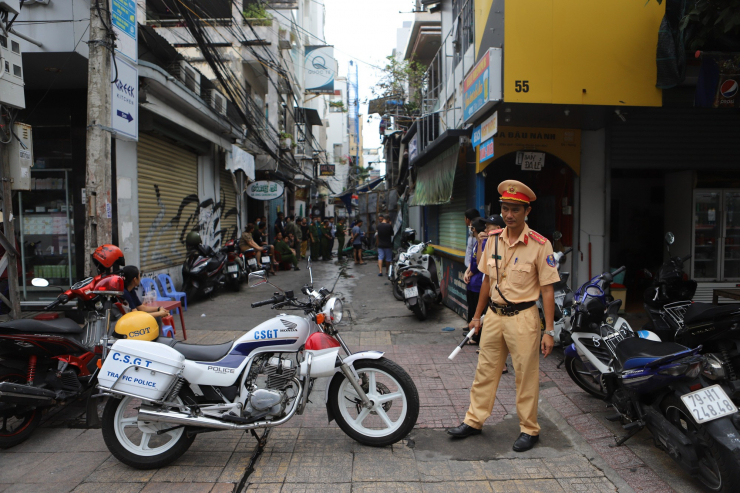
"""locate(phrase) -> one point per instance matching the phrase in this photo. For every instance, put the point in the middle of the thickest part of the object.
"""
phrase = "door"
(731, 247)
(707, 235)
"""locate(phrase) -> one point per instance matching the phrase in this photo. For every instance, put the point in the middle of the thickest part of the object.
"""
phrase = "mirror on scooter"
(557, 235)
(669, 238)
(40, 282)
(256, 278)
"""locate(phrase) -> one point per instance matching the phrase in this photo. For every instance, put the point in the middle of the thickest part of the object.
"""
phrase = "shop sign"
(320, 67)
(452, 284)
(413, 149)
(530, 161)
(326, 169)
(727, 92)
(123, 16)
(486, 150)
(125, 101)
(301, 194)
(475, 140)
(489, 127)
(482, 85)
(265, 190)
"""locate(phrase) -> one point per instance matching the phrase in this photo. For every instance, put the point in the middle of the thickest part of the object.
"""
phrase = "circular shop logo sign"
(265, 190)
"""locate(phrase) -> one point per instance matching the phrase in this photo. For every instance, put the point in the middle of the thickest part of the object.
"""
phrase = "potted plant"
(256, 14)
(286, 141)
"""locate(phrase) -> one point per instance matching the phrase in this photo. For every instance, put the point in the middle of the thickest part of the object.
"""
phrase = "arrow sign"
(125, 116)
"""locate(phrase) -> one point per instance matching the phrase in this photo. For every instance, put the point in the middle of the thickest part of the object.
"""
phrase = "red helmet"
(107, 256)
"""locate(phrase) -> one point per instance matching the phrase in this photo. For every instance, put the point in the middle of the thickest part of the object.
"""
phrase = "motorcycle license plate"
(412, 292)
(252, 261)
(708, 404)
(232, 268)
(265, 260)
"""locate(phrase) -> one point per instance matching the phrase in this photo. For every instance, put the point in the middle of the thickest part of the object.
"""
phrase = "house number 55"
(521, 85)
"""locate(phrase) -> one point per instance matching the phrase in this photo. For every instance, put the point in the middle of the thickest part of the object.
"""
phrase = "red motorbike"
(47, 363)
(235, 273)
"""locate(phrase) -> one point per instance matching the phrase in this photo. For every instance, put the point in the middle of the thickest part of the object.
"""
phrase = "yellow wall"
(582, 52)
(482, 8)
(565, 143)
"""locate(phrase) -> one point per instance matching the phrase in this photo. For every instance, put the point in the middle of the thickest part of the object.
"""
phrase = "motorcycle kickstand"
(560, 364)
(261, 440)
(619, 441)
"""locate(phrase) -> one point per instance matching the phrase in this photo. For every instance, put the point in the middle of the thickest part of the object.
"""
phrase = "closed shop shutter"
(228, 223)
(452, 230)
(168, 201)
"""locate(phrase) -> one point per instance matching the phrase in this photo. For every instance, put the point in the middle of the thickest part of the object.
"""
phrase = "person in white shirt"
(470, 216)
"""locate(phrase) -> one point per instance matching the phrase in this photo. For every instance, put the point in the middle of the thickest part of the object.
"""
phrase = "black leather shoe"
(463, 431)
(525, 442)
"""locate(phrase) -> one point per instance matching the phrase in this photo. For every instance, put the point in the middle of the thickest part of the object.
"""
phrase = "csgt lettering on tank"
(138, 333)
(125, 358)
(266, 334)
(137, 381)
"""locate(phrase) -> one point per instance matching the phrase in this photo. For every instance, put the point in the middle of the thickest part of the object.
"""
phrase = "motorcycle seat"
(704, 312)
(633, 352)
(58, 326)
(198, 352)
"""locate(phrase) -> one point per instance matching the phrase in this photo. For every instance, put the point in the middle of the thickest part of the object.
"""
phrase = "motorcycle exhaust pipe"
(18, 394)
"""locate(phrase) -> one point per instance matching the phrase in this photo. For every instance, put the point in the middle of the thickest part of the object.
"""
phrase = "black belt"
(510, 310)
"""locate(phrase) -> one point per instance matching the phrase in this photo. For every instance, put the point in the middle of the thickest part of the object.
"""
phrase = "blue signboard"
(123, 13)
(486, 150)
(476, 87)
(476, 135)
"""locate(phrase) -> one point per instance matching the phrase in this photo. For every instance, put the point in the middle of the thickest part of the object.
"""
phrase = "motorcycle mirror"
(308, 266)
(669, 238)
(256, 278)
(39, 282)
(557, 235)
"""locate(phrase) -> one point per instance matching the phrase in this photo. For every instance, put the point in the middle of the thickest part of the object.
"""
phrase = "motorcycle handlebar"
(568, 251)
(619, 271)
(63, 298)
(684, 259)
(271, 301)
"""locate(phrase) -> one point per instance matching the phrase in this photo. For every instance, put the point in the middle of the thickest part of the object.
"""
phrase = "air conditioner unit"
(190, 77)
(218, 102)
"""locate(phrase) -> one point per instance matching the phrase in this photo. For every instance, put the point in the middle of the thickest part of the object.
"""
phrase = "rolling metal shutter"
(452, 230)
(227, 224)
(168, 201)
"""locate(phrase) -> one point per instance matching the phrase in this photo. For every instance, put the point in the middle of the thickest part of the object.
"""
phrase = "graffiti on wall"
(165, 236)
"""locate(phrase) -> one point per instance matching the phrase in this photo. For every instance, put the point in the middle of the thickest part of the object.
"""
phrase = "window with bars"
(464, 29)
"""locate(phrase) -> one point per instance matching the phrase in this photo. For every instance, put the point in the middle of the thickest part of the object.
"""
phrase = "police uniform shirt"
(523, 268)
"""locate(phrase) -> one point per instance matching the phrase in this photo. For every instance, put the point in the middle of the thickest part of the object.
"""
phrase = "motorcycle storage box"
(139, 360)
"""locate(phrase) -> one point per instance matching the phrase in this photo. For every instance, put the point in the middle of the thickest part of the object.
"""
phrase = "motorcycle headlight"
(712, 367)
(333, 311)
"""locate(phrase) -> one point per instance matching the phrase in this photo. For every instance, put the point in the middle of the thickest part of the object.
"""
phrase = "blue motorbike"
(668, 388)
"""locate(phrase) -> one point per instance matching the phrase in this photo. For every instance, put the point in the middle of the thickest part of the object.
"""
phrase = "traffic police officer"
(518, 266)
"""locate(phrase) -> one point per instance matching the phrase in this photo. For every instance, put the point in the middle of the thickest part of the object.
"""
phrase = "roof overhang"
(441, 144)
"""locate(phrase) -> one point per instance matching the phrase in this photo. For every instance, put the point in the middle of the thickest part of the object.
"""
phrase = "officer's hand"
(547, 344)
(474, 325)
(467, 276)
(482, 235)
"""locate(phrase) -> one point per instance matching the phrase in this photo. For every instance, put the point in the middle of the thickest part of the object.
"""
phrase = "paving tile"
(203, 459)
(177, 488)
(88, 441)
(589, 427)
(109, 488)
(265, 488)
(216, 443)
(589, 485)
(48, 440)
(644, 480)
(381, 464)
(516, 469)
(187, 474)
(14, 466)
(270, 468)
(466, 487)
(63, 467)
(385, 487)
(316, 488)
(224, 488)
(321, 462)
(235, 468)
(113, 471)
(564, 406)
(39, 488)
(572, 466)
(617, 457)
(527, 486)
(453, 470)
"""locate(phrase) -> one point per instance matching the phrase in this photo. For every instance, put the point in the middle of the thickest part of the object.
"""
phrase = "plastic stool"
(168, 331)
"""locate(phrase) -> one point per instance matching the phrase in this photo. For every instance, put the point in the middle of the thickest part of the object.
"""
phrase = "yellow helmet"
(137, 325)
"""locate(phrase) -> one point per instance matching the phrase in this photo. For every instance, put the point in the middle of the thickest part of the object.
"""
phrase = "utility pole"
(98, 222)
(7, 237)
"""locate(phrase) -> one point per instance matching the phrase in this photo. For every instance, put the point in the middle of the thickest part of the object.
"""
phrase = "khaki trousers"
(304, 247)
(520, 336)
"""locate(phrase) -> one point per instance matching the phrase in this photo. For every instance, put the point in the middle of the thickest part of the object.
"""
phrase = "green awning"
(435, 179)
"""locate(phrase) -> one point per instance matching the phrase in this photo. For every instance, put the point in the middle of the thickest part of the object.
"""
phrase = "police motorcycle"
(419, 280)
(401, 260)
(204, 269)
(563, 301)
(46, 363)
(665, 387)
(162, 392)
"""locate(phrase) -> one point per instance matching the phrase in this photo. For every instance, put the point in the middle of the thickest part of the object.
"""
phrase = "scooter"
(46, 363)
(203, 271)
(401, 260)
(163, 393)
(419, 281)
(235, 274)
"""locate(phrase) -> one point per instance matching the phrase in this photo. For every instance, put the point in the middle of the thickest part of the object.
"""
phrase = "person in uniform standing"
(327, 240)
(518, 264)
(313, 233)
(340, 239)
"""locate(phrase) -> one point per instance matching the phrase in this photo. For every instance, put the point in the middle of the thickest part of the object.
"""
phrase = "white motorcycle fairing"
(282, 333)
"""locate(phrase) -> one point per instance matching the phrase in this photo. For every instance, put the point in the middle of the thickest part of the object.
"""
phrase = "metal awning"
(434, 182)
(309, 116)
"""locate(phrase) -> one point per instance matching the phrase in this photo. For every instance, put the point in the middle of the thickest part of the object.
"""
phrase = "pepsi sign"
(727, 92)
(728, 89)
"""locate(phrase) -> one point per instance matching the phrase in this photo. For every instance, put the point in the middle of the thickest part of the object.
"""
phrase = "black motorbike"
(420, 281)
(235, 269)
(203, 272)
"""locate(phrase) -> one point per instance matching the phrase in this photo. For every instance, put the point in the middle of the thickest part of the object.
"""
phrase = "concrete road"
(311, 454)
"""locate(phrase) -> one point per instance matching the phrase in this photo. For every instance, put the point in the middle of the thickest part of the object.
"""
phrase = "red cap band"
(518, 197)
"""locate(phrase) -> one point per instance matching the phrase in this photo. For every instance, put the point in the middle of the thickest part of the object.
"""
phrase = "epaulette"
(495, 232)
(537, 237)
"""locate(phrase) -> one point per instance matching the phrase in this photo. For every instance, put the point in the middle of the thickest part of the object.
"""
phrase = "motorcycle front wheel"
(16, 426)
(394, 397)
(583, 378)
(138, 444)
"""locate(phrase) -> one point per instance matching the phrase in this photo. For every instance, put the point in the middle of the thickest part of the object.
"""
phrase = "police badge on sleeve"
(551, 260)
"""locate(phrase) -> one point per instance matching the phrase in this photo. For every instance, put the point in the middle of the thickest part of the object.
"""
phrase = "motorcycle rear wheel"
(122, 431)
(396, 403)
(717, 468)
(583, 378)
(16, 428)
(420, 309)
(397, 291)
